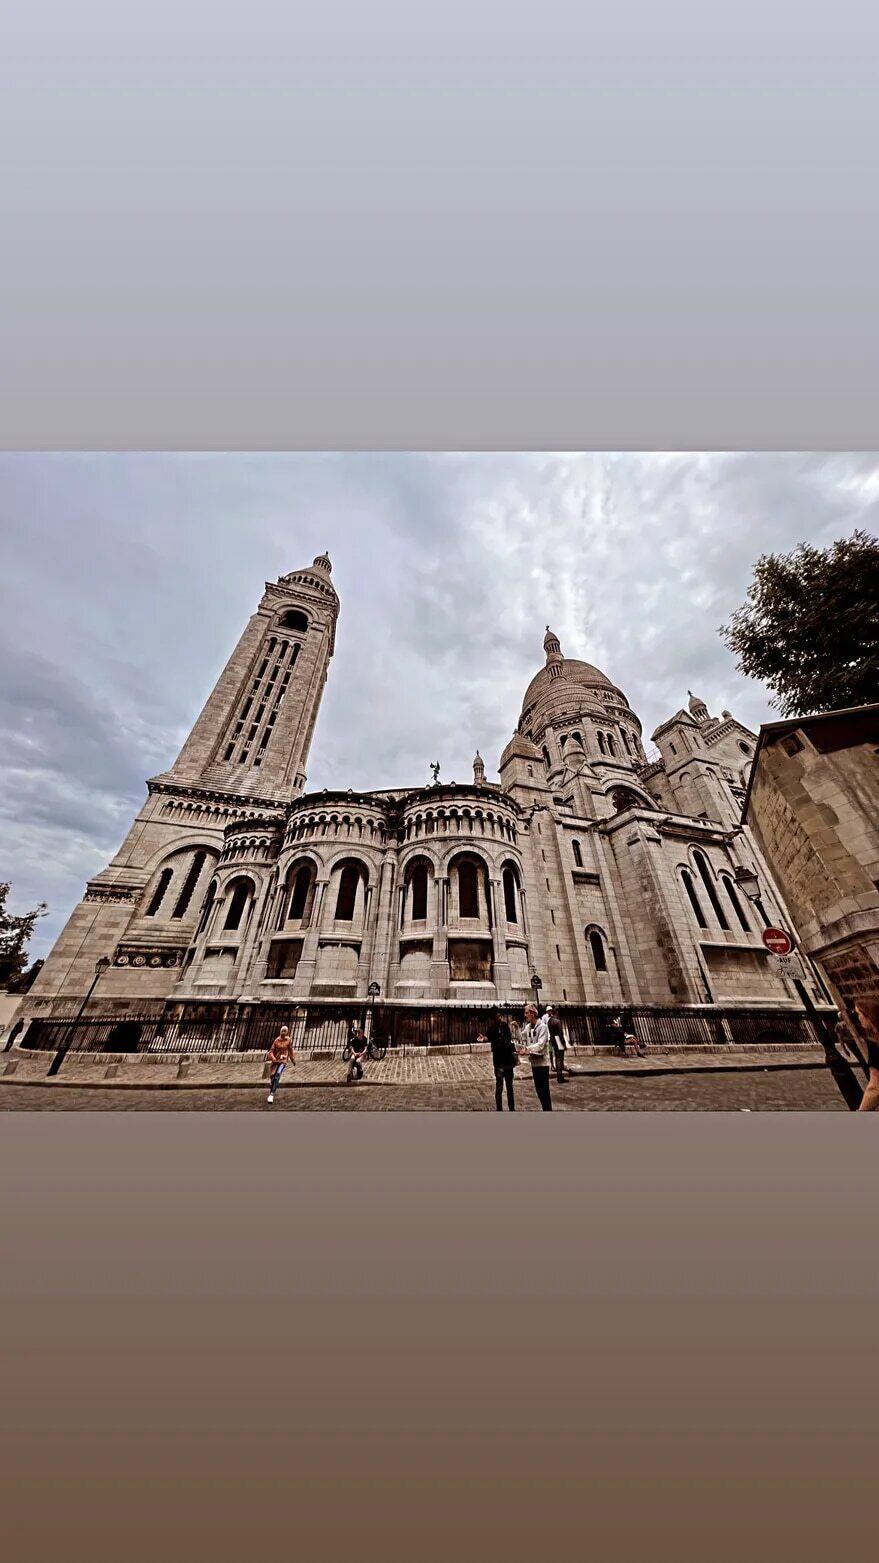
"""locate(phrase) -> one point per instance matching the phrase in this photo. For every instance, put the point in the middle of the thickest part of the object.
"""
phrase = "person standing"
(557, 1042)
(867, 1011)
(279, 1055)
(504, 1057)
(539, 1048)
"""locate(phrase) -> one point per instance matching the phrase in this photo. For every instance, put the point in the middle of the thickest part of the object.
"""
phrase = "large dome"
(571, 674)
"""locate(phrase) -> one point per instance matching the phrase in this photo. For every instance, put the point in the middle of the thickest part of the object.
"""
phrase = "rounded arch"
(623, 798)
(417, 876)
(596, 939)
(352, 877)
(707, 875)
(511, 884)
(298, 891)
(293, 619)
(175, 890)
(686, 876)
(239, 893)
(468, 873)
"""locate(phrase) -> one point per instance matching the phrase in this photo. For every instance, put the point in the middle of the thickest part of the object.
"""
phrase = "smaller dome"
(551, 641)
(323, 562)
(520, 748)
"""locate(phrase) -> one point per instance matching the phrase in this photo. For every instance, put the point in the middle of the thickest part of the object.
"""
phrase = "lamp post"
(536, 984)
(842, 1072)
(373, 992)
(100, 967)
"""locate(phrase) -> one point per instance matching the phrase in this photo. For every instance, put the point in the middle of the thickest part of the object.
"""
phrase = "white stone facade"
(608, 874)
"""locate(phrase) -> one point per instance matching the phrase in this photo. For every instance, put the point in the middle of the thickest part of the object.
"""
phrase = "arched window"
(578, 736)
(708, 882)
(418, 890)
(546, 759)
(596, 945)
(736, 903)
(300, 896)
(601, 743)
(293, 619)
(347, 897)
(189, 884)
(611, 746)
(468, 889)
(207, 906)
(578, 855)
(562, 741)
(240, 889)
(511, 894)
(158, 897)
(626, 744)
(695, 903)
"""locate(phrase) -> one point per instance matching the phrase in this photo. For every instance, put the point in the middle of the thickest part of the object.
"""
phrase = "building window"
(673, 749)
(745, 748)
(347, 897)
(207, 905)
(189, 884)
(418, 885)
(159, 892)
(736, 903)
(596, 945)
(510, 895)
(578, 855)
(625, 738)
(546, 759)
(601, 743)
(611, 746)
(240, 892)
(695, 903)
(708, 882)
(791, 745)
(468, 890)
(300, 896)
(293, 619)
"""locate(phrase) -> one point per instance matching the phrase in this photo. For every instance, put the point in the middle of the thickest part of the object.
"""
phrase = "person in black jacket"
(504, 1057)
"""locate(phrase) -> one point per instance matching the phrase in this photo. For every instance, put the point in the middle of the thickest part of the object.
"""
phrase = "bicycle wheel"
(377, 1050)
(346, 1052)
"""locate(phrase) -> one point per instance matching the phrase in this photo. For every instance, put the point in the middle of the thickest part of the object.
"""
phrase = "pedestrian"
(558, 1043)
(504, 1057)
(617, 1033)
(867, 1012)
(279, 1055)
(539, 1049)
(358, 1047)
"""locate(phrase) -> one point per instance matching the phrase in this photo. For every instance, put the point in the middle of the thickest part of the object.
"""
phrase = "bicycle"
(376, 1049)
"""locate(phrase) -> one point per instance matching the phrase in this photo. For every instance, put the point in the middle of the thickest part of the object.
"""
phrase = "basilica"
(589, 873)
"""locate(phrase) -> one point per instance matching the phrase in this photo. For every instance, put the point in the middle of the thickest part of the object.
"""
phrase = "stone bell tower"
(254, 733)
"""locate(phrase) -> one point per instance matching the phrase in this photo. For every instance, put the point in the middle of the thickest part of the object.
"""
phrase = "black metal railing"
(231, 1028)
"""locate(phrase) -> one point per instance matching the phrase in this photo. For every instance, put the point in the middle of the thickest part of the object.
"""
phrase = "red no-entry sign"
(777, 941)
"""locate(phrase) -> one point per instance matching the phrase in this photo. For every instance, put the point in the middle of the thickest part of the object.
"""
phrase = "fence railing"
(324, 1029)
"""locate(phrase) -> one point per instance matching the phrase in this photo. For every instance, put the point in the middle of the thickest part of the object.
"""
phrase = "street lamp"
(100, 967)
(373, 992)
(536, 985)
(747, 880)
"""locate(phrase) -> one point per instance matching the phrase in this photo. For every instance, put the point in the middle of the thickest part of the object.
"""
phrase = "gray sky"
(126, 580)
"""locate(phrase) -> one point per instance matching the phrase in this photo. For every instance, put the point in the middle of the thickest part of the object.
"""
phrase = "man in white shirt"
(538, 1045)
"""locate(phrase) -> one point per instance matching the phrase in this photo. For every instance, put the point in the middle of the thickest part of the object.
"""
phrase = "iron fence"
(323, 1029)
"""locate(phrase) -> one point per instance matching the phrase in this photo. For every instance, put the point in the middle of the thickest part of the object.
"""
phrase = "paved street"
(782, 1090)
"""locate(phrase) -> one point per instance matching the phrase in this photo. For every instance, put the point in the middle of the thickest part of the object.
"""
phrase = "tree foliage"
(15, 933)
(810, 626)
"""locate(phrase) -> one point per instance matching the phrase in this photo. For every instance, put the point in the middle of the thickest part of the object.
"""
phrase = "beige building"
(813, 805)
(238, 898)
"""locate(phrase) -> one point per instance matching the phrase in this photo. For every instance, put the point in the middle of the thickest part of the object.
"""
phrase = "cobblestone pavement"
(784, 1090)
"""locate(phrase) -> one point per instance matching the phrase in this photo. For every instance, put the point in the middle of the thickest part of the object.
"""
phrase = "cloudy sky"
(126, 580)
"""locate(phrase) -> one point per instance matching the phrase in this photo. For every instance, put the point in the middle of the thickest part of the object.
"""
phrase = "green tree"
(15, 933)
(810, 626)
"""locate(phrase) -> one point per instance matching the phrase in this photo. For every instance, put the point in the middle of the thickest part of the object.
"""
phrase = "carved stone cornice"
(143, 956)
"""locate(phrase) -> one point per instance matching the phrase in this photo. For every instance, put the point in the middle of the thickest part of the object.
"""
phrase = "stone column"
(308, 959)
(502, 974)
